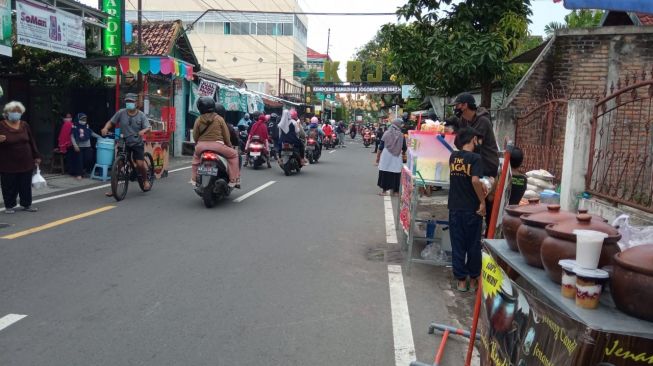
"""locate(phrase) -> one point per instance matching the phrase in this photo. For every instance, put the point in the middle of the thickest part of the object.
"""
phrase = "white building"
(240, 44)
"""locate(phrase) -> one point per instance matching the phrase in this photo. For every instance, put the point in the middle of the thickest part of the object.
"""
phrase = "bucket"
(105, 149)
(588, 248)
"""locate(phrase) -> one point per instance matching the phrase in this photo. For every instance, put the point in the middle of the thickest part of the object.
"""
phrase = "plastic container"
(589, 284)
(430, 230)
(550, 197)
(104, 153)
(428, 155)
(568, 286)
(589, 244)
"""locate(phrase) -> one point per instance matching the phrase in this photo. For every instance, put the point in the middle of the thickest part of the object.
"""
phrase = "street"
(296, 273)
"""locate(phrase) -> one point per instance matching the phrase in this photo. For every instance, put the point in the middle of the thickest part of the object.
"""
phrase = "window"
(269, 29)
(260, 29)
(252, 28)
(287, 29)
(227, 28)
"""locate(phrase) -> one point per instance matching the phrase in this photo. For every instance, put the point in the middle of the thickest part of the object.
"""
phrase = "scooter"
(256, 155)
(290, 159)
(326, 142)
(367, 139)
(335, 140)
(212, 178)
(313, 151)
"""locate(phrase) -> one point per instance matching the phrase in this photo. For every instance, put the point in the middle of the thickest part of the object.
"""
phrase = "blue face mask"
(131, 106)
(14, 116)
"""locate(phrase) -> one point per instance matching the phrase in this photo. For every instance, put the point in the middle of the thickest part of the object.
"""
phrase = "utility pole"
(140, 26)
(328, 43)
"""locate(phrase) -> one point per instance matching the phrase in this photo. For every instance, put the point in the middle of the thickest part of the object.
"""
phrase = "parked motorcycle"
(313, 151)
(290, 159)
(256, 152)
(367, 139)
(212, 178)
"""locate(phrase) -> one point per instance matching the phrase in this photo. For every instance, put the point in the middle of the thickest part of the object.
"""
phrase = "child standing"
(466, 209)
(519, 180)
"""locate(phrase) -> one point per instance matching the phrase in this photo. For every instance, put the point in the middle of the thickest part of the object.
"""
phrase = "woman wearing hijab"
(288, 130)
(81, 140)
(389, 158)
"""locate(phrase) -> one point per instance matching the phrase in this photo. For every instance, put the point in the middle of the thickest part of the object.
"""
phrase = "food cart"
(155, 79)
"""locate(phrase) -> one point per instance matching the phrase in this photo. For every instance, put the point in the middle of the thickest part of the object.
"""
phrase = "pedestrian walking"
(341, 130)
(19, 158)
(389, 158)
(466, 205)
(81, 145)
(65, 144)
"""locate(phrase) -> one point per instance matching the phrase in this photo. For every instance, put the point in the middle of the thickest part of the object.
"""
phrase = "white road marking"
(402, 331)
(254, 191)
(390, 231)
(332, 151)
(179, 169)
(10, 319)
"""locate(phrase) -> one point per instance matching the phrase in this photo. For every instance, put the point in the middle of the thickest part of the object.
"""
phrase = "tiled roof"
(645, 19)
(157, 36)
(311, 53)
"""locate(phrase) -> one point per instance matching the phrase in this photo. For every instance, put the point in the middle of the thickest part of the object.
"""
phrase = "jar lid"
(552, 215)
(598, 274)
(565, 229)
(533, 206)
(638, 259)
(568, 264)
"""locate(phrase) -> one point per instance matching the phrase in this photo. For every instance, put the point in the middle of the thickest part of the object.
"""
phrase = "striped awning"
(164, 65)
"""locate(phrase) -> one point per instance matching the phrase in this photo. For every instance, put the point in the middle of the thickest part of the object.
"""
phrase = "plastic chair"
(57, 162)
(104, 172)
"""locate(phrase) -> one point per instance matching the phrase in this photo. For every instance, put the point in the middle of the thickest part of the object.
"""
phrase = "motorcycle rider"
(273, 132)
(290, 134)
(379, 133)
(233, 132)
(211, 133)
(245, 121)
(260, 129)
(315, 132)
(328, 131)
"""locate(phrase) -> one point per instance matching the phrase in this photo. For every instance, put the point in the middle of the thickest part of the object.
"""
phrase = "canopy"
(639, 6)
(165, 65)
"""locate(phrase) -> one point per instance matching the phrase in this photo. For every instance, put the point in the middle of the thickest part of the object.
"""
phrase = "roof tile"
(158, 36)
(645, 19)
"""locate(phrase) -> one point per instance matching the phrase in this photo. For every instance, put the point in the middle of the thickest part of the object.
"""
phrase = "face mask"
(14, 116)
(131, 106)
(82, 123)
(458, 112)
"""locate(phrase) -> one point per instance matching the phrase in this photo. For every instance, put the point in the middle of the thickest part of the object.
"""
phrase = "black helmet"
(432, 115)
(219, 109)
(206, 105)
(274, 117)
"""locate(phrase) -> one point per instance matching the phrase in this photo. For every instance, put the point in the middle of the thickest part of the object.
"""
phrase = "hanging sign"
(50, 29)
(5, 28)
(112, 35)
(207, 89)
(363, 89)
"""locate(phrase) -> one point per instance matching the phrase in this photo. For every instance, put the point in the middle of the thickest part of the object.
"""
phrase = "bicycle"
(124, 170)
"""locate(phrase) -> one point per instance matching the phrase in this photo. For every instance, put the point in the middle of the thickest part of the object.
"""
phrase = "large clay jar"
(511, 219)
(632, 281)
(561, 243)
(531, 232)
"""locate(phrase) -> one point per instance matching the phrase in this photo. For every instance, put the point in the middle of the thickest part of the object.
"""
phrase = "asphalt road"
(289, 276)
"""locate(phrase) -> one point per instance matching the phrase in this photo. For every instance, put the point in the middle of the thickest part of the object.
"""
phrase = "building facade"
(256, 46)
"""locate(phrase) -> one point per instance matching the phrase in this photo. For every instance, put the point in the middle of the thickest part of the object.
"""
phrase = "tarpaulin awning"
(641, 6)
(165, 65)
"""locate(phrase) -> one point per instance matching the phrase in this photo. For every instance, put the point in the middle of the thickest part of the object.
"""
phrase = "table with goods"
(562, 288)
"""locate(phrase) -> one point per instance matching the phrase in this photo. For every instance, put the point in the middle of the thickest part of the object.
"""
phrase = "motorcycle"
(242, 134)
(313, 151)
(335, 140)
(367, 139)
(290, 159)
(255, 154)
(352, 134)
(212, 178)
(326, 142)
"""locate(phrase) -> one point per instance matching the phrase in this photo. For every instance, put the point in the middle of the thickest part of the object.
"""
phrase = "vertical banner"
(112, 35)
(207, 88)
(5, 28)
(406, 194)
(48, 28)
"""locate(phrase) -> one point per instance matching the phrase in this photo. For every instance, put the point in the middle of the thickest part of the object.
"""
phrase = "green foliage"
(312, 78)
(516, 71)
(372, 53)
(552, 27)
(583, 18)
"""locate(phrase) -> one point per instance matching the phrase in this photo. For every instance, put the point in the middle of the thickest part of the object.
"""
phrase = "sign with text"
(50, 29)
(357, 89)
(207, 89)
(517, 328)
(112, 35)
(354, 72)
(5, 28)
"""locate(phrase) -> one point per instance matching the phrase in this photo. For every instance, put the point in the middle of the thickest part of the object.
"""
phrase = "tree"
(466, 48)
(583, 18)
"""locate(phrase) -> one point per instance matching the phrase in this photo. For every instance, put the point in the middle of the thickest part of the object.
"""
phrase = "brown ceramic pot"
(531, 232)
(561, 243)
(632, 281)
(511, 220)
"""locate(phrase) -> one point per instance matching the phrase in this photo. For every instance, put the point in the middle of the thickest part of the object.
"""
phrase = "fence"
(621, 148)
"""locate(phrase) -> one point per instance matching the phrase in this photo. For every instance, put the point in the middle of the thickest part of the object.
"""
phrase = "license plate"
(309, 147)
(255, 154)
(286, 153)
(207, 170)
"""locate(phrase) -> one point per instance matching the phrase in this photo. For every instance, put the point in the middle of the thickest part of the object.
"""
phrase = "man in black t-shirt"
(466, 209)
(519, 180)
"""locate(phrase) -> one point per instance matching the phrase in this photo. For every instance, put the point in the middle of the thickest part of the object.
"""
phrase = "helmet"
(315, 120)
(206, 105)
(293, 114)
(219, 109)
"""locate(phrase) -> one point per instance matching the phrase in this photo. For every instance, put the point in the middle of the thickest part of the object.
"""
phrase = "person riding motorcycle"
(233, 132)
(211, 133)
(290, 134)
(245, 121)
(315, 132)
(273, 132)
(260, 129)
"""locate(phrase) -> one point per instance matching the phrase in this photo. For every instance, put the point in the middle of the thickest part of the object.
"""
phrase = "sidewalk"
(62, 183)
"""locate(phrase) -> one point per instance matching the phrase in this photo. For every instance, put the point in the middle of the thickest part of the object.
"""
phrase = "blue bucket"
(105, 149)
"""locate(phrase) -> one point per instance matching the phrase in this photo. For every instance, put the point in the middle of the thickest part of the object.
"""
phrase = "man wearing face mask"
(133, 125)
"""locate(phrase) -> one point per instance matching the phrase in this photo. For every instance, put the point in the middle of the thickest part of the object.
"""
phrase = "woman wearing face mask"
(65, 144)
(19, 157)
(389, 158)
(82, 151)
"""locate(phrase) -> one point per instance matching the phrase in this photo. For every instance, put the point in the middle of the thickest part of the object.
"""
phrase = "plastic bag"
(38, 182)
(632, 236)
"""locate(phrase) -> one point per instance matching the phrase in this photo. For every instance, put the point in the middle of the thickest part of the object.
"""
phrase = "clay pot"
(501, 307)
(531, 232)
(632, 281)
(561, 243)
(511, 219)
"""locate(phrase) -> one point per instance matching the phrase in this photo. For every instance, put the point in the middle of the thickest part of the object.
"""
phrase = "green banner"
(112, 35)
(5, 28)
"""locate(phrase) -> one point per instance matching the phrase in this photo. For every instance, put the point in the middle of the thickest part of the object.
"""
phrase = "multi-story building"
(314, 61)
(248, 41)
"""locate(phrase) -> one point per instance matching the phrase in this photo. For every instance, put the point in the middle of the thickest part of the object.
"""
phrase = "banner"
(406, 195)
(207, 88)
(362, 89)
(112, 35)
(230, 98)
(5, 28)
(193, 96)
(50, 29)
(517, 328)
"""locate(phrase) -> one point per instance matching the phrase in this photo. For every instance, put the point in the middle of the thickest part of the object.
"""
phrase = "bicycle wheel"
(119, 178)
(149, 163)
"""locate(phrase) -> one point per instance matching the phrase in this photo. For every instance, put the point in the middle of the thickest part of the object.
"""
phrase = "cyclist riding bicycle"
(133, 125)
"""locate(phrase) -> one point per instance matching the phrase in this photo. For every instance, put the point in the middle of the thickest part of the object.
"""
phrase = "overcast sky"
(349, 33)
